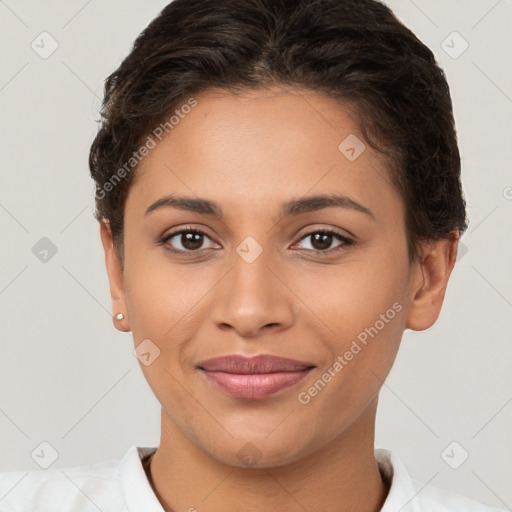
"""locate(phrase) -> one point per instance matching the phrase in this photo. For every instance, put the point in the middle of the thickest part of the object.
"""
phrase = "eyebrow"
(289, 208)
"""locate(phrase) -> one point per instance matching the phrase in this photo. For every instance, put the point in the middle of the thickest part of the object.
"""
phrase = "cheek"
(366, 317)
(363, 304)
(353, 297)
(160, 295)
(165, 306)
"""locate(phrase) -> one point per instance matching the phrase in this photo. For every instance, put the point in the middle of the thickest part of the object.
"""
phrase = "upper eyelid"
(344, 239)
(180, 231)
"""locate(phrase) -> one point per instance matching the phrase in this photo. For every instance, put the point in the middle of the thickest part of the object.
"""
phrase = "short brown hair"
(354, 50)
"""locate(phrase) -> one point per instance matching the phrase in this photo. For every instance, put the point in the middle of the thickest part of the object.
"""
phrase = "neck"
(342, 476)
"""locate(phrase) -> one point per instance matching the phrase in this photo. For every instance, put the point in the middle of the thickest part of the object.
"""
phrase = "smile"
(253, 378)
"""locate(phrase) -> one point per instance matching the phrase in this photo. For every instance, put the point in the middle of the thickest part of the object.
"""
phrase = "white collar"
(402, 493)
(136, 487)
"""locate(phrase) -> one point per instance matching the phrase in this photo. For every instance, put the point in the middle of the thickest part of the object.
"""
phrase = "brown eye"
(186, 240)
(321, 241)
(191, 241)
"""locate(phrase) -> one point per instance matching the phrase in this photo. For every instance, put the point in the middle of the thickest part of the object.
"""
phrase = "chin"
(258, 452)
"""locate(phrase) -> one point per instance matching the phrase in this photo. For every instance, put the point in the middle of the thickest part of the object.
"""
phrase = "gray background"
(69, 378)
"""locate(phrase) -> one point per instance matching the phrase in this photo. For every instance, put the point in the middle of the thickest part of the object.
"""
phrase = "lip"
(253, 378)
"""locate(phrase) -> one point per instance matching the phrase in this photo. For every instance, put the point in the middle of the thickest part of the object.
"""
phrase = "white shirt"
(121, 485)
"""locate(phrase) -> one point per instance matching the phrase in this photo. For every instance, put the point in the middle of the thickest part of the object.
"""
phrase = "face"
(326, 284)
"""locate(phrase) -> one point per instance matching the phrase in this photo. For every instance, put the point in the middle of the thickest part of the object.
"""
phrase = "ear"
(115, 278)
(429, 280)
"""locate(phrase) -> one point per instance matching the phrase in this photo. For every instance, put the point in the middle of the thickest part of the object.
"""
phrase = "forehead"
(263, 145)
(263, 121)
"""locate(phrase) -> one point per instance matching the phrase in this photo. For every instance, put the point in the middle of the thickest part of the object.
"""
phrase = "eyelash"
(346, 242)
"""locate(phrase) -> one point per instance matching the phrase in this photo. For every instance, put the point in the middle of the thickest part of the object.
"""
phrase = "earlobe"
(429, 281)
(115, 277)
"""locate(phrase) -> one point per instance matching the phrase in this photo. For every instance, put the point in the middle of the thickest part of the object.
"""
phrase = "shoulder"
(409, 495)
(86, 488)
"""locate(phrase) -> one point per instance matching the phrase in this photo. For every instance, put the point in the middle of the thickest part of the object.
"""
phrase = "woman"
(278, 194)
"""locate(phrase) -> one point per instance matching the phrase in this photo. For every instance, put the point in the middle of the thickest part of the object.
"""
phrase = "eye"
(191, 240)
(321, 240)
(188, 240)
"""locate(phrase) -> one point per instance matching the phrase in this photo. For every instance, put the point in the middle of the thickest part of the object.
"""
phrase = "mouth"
(253, 378)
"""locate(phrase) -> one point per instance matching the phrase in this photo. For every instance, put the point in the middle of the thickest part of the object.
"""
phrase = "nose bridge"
(251, 281)
(252, 296)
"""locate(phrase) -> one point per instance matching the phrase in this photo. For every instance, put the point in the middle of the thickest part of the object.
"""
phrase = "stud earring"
(119, 316)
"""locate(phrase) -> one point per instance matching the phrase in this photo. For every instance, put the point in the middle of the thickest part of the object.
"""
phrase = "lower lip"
(254, 386)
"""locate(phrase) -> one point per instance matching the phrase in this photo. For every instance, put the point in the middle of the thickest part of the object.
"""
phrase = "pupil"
(324, 240)
(187, 240)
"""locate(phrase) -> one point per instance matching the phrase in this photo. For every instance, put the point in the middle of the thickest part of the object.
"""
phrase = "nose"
(254, 297)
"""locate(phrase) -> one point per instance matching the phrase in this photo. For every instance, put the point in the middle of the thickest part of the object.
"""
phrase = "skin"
(250, 153)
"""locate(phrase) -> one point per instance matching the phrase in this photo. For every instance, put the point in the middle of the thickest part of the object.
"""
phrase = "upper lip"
(238, 364)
